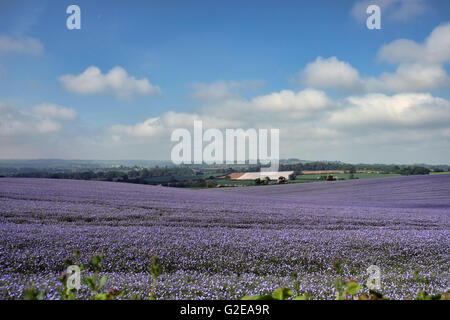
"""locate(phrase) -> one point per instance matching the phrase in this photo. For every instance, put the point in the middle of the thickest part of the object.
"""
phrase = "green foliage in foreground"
(94, 282)
(345, 290)
(350, 292)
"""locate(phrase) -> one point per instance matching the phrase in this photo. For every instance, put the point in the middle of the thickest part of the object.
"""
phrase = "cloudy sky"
(118, 87)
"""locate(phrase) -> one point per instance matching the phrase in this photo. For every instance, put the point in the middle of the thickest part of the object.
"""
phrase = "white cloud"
(41, 119)
(163, 125)
(116, 81)
(410, 77)
(435, 49)
(25, 45)
(287, 100)
(277, 109)
(402, 50)
(148, 128)
(380, 111)
(331, 73)
(393, 10)
(53, 111)
(420, 67)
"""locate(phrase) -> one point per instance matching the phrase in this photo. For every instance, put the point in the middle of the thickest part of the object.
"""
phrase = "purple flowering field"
(228, 242)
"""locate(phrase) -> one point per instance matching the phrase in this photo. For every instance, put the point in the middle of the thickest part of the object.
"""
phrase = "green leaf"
(102, 282)
(96, 261)
(156, 268)
(353, 288)
(100, 296)
(281, 294)
(76, 253)
(263, 297)
(32, 293)
(89, 281)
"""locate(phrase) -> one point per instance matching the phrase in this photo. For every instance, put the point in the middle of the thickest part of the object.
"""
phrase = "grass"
(314, 177)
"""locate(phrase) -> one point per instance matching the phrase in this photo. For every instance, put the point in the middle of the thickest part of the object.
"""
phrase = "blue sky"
(241, 49)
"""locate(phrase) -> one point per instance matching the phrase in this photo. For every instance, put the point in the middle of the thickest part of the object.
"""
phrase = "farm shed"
(255, 175)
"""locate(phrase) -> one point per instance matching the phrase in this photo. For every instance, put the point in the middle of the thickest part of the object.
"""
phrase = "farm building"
(255, 175)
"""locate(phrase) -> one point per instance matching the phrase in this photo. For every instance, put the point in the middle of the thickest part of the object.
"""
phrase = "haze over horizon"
(118, 87)
(169, 161)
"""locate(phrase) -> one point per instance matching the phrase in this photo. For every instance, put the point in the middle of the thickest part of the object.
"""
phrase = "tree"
(211, 184)
(200, 183)
(281, 180)
(292, 176)
(258, 181)
(414, 171)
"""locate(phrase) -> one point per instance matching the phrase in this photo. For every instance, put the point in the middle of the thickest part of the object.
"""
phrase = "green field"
(342, 176)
